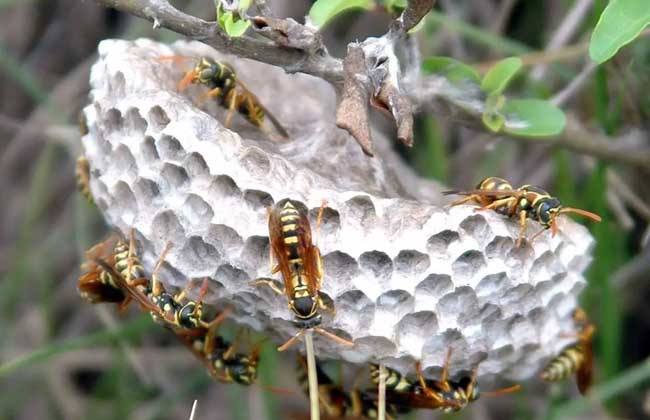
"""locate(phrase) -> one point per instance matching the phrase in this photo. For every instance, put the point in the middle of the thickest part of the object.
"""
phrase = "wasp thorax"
(304, 306)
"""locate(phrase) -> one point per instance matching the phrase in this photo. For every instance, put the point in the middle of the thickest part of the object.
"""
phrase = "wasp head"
(547, 209)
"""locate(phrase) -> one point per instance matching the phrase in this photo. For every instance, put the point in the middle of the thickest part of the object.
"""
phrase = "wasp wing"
(276, 123)
(488, 193)
(279, 249)
(92, 289)
(584, 375)
(132, 291)
(309, 254)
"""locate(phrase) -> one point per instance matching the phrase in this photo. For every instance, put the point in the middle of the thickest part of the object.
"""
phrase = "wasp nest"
(408, 276)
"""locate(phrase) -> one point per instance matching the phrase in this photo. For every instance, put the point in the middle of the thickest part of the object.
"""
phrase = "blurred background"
(61, 358)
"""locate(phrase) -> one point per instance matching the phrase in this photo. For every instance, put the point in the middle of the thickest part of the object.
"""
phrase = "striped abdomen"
(121, 258)
(565, 364)
(395, 381)
(494, 183)
(289, 218)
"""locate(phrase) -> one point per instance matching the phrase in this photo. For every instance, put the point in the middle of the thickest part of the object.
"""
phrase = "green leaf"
(533, 118)
(322, 11)
(233, 25)
(453, 70)
(620, 23)
(395, 6)
(498, 77)
(492, 116)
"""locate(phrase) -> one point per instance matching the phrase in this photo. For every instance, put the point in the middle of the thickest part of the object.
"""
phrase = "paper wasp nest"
(408, 277)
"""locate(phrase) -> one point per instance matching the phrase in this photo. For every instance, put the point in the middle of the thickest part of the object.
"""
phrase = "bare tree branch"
(352, 112)
(298, 48)
(163, 14)
(412, 15)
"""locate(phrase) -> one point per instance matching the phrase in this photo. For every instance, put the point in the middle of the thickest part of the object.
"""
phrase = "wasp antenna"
(161, 259)
(585, 213)
(508, 390)
(278, 390)
(451, 192)
(174, 58)
(204, 288)
(334, 337)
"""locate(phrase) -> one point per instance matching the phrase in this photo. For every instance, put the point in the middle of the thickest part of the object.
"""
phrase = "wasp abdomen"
(564, 365)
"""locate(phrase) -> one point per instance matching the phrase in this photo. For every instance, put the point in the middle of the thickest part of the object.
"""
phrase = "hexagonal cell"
(134, 122)
(439, 242)
(224, 186)
(173, 177)
(455, 275)
(362, 210)
(158, 118)
(412, 262)
(196, 211)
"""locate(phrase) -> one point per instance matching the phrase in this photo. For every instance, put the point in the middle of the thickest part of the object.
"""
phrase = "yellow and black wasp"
(219, 356)
(82, 175)
(229, 92)
(444, 394)
(216, 353)
(300, 264)
(526, 202)
(98, 285)
(576, 358)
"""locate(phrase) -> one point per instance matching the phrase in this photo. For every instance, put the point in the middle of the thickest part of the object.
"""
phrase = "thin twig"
(564, 33)
(576, 84)
(164, 15)
(381, 393)
(312, 377)
(302, 51)
(193, 410)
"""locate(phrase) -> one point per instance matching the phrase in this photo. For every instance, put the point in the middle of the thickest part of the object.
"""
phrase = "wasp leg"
(325, 307)
(444, 377)
(290, 342)
(498, 203)
(319, 219)
(333, 337)
(427, 391)
(156, 286)
(214, 93)
(232, 105)
(464, 200)
(522, 228)
(267, 282)
(130, 257)
(124, 304)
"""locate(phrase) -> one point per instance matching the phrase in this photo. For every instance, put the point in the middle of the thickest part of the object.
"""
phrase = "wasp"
(188, 315)
(200, 337)
(300, 264)
(576, 358)
(82, 174)
(229, 92)
(99, 285)
(219, 356)
(444, 394)
(526, 202)
(338, 403)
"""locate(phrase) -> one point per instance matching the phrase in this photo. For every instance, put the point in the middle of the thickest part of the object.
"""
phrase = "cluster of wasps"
(113, 274)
